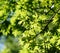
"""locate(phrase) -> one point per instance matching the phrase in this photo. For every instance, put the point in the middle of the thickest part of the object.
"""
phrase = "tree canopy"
(30, 26)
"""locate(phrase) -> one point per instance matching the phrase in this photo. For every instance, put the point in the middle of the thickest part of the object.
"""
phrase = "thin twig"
(45, 28)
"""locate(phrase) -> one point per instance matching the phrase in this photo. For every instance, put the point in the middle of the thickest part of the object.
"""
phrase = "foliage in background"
(30, 26)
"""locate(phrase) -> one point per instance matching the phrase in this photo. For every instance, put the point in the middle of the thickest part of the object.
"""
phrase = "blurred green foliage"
(30, 26)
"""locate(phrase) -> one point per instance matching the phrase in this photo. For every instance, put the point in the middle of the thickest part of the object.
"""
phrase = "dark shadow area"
(53, 49)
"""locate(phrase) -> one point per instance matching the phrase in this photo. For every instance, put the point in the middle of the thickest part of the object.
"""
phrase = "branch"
(46, 27)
